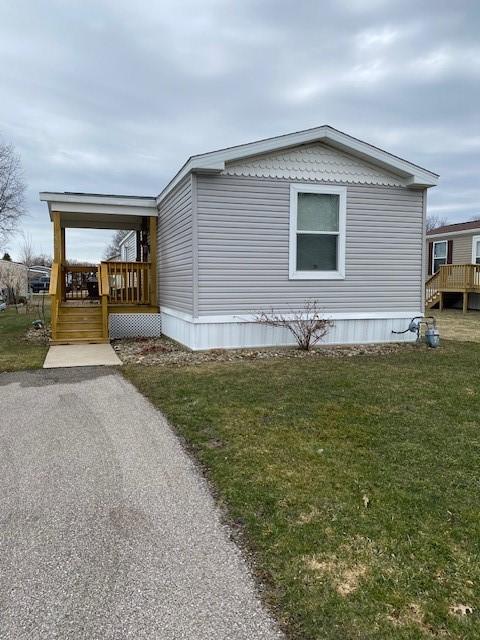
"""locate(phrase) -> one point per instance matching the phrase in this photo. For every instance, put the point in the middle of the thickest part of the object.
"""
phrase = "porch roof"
(99, 211)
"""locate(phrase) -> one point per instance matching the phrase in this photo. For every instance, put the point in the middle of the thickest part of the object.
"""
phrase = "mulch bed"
(162, 351)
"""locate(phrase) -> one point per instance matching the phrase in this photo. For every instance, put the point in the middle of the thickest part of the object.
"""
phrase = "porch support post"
(465, 301)
(153, 260)
(59, 250)
(58, 239)
(440, 304)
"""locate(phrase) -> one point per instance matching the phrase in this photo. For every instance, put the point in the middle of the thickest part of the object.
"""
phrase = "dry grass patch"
(455, 325)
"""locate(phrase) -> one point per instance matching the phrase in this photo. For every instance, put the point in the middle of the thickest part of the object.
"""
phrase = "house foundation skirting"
(234, 332)
(134, 325)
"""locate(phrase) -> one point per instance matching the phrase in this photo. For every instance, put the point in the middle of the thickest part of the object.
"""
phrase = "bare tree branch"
(434, 221)
(308, 326)
(113, 248)
(12, 191)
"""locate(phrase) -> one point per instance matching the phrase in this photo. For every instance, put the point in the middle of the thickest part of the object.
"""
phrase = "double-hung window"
(439, 255)
(317, 232)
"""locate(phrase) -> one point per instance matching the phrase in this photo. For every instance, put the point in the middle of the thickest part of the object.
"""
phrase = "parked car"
(40, 285)
(3, 305)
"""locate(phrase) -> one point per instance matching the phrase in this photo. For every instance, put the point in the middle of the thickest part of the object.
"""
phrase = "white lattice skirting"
(135, 325)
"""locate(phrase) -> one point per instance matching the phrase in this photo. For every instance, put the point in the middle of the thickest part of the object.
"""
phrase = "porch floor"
(80, 355)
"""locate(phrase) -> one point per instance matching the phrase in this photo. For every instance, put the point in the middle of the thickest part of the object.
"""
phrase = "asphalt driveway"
(107, 530)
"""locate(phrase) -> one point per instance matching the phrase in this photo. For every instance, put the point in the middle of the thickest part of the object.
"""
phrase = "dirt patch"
(308, 516)
(162, 351)
(460, 610)
(345, 579)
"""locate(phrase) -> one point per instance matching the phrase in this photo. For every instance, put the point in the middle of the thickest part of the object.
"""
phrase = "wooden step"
(78, 341)
(80, 311)
(79, 325)
(74, 322)
(83, 330)
(78, 335)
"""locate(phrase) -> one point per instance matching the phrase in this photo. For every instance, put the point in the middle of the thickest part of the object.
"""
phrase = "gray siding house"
(453, 266)
(315, 214)
(128, 248)
(457, 243)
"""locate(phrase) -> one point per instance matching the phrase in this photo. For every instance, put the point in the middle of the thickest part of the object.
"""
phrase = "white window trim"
(338, 274)
(433, 253)
(475, 241)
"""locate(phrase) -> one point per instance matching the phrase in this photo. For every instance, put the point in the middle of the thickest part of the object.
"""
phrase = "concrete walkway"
(107, 528)
(81, 355)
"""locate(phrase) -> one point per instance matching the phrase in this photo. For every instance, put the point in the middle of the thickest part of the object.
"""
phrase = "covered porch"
(85, 295)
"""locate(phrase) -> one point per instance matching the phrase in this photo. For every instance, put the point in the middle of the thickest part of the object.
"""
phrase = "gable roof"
(214, 161)
(457, 227)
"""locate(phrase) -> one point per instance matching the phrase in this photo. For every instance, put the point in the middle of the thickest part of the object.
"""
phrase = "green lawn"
(15, 352)
(355, 481)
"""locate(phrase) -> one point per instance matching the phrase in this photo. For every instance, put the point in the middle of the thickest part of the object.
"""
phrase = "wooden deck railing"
(129, 282)
(452, 278)
(80, 282)
(458, 277)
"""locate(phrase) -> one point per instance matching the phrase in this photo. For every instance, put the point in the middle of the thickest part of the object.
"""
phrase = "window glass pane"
(316, 252)
(440, 250)
(317, 212)
(437, 262)
(477, 252)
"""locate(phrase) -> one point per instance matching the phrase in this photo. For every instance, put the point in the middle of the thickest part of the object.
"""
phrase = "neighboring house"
(457, 285)
(454, 244)
(13, 280)
(128, 247)
(315, 214)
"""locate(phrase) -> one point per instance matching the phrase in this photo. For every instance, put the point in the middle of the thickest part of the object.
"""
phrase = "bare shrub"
(307, 325)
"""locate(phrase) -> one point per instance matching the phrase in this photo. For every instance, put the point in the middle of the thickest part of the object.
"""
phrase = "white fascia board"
(215, 161)
(90, 203)
(88, 198)
(101, 209)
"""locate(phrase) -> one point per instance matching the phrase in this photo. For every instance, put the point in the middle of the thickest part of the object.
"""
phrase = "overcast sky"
(112, 96)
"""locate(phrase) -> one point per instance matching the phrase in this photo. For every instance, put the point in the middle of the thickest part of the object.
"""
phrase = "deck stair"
(79, 325)
(432, 293)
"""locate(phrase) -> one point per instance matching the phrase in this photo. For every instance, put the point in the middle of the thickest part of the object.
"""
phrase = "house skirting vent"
(135, 325)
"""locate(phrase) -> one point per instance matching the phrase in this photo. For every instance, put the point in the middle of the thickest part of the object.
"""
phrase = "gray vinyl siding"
(462, 249)
(461, 246)
(243, 245)
(175, 249)
(131, 248)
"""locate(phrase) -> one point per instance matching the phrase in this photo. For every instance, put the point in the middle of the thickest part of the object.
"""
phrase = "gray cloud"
(113, 96)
